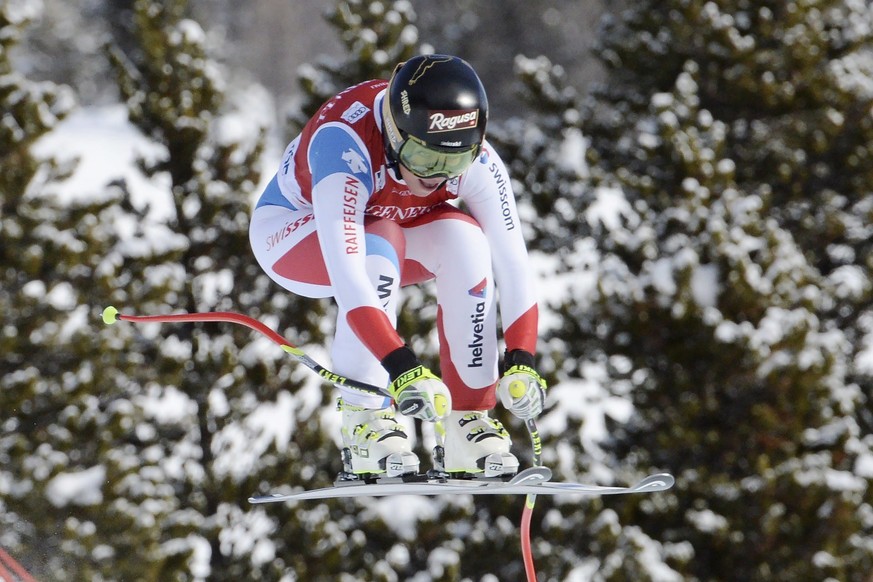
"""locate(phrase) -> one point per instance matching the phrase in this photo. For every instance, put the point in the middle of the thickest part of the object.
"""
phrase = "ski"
(532, 481)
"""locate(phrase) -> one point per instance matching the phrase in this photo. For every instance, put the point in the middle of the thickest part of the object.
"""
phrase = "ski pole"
(517, 390)
(529, 502)
(111, 315)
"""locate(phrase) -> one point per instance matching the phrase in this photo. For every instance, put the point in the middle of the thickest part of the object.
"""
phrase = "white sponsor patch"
(355, 112)
(439, 121)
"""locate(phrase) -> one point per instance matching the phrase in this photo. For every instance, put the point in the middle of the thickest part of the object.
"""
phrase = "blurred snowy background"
(697, 181)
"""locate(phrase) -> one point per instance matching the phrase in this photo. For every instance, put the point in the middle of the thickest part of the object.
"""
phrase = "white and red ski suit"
(338, 221)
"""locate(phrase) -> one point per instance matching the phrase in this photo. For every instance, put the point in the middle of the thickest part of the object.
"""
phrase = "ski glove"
(521, 389)
(416, 390)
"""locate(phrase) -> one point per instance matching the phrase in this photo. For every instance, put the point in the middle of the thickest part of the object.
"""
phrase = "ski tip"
(269, 498)
(110, 315)
(657, 482)
(532, 476)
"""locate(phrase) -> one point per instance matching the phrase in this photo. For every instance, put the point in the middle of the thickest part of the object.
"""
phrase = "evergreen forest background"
(697, 182)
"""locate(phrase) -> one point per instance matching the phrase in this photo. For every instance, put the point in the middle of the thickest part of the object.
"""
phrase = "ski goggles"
(426, 162)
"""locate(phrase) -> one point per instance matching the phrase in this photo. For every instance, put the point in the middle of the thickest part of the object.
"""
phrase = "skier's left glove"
(521, 389)
(417, 391)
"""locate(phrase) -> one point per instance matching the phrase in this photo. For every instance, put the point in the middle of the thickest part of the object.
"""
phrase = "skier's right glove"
(417, 391)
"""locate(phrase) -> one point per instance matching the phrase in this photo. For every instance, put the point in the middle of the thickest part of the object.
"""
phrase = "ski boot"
(374, 444)
(474, 446)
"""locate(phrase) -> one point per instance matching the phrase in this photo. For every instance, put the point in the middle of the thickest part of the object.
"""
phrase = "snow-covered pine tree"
(35, 300)
(545, 151)
(376, 34)
(64, 409)
(224, 414)
(30, 110)
(725, 233)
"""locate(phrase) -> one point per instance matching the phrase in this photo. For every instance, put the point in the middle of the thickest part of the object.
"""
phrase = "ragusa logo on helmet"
(440, 121)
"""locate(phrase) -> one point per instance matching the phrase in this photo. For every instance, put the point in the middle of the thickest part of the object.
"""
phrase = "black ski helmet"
(440, 101)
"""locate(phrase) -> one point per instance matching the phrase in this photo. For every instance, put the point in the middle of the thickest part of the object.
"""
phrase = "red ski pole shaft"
(529, 502)
(111, 315)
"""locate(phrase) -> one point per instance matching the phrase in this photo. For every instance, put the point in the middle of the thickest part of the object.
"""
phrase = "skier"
(362, 205)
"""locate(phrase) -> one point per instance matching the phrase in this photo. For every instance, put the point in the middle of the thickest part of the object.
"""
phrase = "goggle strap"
(392, 132)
